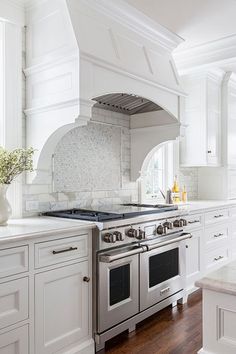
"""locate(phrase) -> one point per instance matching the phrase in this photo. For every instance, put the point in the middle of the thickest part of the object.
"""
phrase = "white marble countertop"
(26, 228)
(222, 280)
(206, 205)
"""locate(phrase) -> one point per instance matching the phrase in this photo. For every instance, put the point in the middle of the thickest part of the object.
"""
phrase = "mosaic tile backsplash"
(89, 158)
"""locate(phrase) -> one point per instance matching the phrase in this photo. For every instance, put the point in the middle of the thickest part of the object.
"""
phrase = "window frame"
(167, 176)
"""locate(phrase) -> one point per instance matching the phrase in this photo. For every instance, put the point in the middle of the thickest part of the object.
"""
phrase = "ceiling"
(196, 21)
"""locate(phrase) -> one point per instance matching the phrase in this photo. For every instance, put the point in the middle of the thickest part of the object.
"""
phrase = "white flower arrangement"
(13, 163)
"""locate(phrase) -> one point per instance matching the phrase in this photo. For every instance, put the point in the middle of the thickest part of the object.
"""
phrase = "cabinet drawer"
(194, 220)
(220, 215)
(13, 302)
(216, 257)
(216, 234)
(15, 341)
(13, 261)
(62, 250)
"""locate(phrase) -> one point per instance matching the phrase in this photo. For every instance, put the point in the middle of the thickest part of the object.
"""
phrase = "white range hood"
(79, 50)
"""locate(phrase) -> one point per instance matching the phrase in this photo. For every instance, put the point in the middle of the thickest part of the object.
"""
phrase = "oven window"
(119, 284)
(163, 266)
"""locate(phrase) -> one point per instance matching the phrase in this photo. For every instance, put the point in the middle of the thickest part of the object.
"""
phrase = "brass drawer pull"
(219, 235)
(218, 258)
(65, 250)
(218, 216)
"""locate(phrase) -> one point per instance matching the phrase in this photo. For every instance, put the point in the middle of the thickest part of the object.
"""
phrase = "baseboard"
(203, 351)
(87, 347)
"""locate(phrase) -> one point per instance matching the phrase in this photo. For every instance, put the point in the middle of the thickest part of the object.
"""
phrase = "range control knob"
(160, 229)
(119, 236)
(177, 223)
(109, 238)
(184, 221)
(131, 232)
(140, 234)
(168, 224)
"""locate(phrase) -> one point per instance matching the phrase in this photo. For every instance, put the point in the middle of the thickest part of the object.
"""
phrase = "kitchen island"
(219, 310)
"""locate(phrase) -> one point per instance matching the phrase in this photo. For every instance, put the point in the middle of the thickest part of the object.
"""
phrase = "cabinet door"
(213, 137)
(193, 258)
(213, 122)
(61, 308)
(231, 132)
(232, 232)
(15, 341)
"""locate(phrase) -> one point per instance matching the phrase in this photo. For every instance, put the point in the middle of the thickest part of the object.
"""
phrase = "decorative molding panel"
(226, 329)
(51, 17)
(207, 55)
(55, 84)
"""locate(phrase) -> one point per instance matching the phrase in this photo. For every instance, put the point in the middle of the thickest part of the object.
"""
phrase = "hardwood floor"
(175, 330)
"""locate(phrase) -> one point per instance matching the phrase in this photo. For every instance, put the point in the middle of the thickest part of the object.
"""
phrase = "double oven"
(133, 281)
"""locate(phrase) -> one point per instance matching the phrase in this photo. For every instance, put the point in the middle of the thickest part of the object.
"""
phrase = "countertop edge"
(216, 285)
(47, 232)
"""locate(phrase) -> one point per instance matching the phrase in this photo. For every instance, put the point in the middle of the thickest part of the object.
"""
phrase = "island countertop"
(222, 280)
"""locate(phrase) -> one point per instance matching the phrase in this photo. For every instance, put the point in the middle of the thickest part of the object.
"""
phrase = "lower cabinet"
(193, 258)
(61, 308)
(15, 341)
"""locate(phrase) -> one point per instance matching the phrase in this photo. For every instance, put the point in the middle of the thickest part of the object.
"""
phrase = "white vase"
(5, 208)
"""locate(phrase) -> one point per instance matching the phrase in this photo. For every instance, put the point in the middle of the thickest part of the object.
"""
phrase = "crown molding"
(222, 51)
(129, 16)
(215, 74)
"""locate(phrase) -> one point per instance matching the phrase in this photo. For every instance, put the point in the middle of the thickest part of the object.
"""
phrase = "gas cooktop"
(113, 212)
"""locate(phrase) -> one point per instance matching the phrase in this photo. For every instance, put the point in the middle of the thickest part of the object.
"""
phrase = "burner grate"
(84, 214)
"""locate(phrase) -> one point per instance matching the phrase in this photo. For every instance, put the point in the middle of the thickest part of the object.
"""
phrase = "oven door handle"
(165, 243)
(107, 258)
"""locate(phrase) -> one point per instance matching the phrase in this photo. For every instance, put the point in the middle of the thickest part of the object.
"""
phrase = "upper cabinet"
(220, 183)
(201, 144)
(229, 120)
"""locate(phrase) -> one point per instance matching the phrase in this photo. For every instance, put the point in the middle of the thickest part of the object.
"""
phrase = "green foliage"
(13, 163)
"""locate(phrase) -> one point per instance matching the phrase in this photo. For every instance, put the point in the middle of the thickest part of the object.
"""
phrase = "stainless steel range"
(138, 263)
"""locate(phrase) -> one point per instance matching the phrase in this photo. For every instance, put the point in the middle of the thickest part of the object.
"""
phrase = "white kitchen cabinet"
(194, 258)
(13, 301)
(220, 183)
(15, 341)
(201, 145)
(61, 308)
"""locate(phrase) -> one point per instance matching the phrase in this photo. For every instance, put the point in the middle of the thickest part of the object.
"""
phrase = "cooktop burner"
(123, 211)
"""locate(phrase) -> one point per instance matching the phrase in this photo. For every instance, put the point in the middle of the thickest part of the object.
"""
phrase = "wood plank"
(170, 331)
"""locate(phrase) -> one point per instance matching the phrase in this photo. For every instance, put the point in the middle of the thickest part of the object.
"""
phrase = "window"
(158, 172)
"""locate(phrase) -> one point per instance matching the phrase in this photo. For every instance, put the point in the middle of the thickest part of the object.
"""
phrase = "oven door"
(162, 273)
(118, 287)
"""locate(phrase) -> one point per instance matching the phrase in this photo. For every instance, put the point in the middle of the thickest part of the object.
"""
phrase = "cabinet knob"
(86, 279)
(209, 151)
